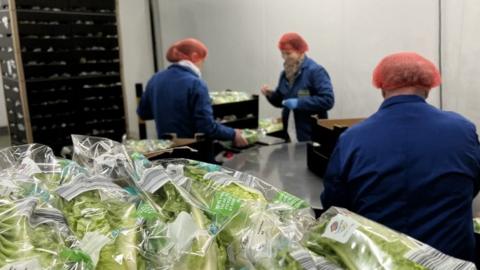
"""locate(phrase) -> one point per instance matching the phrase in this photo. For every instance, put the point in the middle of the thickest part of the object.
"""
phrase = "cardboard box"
(325, 135)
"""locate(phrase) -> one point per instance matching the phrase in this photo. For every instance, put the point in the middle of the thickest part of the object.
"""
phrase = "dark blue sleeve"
(321, 94)
(477, 152)
(203, 115)
(335, 191)
(144, 109)
(276, 98)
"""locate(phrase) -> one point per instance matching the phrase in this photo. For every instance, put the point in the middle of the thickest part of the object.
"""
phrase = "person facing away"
(410, 166)
(177, 98)
(304, 88)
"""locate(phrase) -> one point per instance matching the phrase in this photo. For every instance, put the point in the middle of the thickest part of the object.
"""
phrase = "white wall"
(136, 46)
(461, 43)
(348, 37)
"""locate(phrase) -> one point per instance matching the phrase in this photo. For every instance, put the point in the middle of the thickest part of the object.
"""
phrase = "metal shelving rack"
(61, 69)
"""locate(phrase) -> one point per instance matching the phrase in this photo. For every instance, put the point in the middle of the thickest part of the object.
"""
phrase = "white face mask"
(190, 65)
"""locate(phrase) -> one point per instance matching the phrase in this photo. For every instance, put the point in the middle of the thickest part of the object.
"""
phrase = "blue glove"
(291, 103)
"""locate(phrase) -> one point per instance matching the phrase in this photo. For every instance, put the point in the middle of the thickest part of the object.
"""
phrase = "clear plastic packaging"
(35, 238)
(270, 125)
(231, 213)
(101, 156)
(147, 146)
(228, 96)
(111, 209)
(354, 242)
(103, 216)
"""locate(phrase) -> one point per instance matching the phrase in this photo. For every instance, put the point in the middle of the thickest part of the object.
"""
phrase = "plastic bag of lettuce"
(252, 224)
(147, 146)
(103, 216)
(36, 238)
(476, 225)
(354, 242)
(179, 235)
(228, 96)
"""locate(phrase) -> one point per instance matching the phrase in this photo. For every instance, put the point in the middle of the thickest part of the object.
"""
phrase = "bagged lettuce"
(32, 238)
(270, 125)
(354, 242)
(147, 146)
(257, 228)
(228, 96)
(182, 236)
(476, 225)
(103, 217)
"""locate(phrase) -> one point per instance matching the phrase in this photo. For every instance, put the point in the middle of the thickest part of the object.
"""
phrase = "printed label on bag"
(68, 192)
(340, 229)
(287, 198)
(154, 178)
(435, 260)
(219, 178)
(304, 259)
(225, 205)
(146, 211)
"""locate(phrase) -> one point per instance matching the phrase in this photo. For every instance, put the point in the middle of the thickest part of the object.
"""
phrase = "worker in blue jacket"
(410, 166)
(177, 98)
(304, 89)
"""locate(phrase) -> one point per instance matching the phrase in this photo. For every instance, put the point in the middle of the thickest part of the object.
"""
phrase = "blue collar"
(304, 63)
(184, 68)
(401, 99)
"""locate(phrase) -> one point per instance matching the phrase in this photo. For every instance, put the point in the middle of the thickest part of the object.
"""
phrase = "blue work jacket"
(413, 168)
(314, 91)
(179, 102)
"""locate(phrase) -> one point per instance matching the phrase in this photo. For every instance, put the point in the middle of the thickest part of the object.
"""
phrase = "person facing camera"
(304, 89)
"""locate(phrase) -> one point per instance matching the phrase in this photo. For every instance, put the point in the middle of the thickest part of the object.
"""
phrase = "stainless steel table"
(283, 166)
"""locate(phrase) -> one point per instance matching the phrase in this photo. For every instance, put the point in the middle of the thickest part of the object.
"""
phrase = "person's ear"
(196, 57)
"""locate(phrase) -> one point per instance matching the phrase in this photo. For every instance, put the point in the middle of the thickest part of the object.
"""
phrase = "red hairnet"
(185, 49)
(405, 69)
(292, 41)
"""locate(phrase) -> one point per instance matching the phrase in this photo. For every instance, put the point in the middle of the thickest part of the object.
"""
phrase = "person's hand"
(239, 140)
(291, 103)
(266, 91)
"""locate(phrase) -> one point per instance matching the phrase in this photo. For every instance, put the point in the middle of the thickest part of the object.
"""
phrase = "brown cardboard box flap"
(332, 123)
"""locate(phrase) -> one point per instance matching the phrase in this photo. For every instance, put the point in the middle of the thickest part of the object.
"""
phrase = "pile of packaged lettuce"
(270, 125)
(147, 146)
(228, 96)
(110, 209)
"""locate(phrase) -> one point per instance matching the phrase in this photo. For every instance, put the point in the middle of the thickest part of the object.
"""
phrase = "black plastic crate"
(245, 112)
(317, 161)
(279, 134)
(72, 18)
(327, 131)
(247, 122)
(240, 109)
